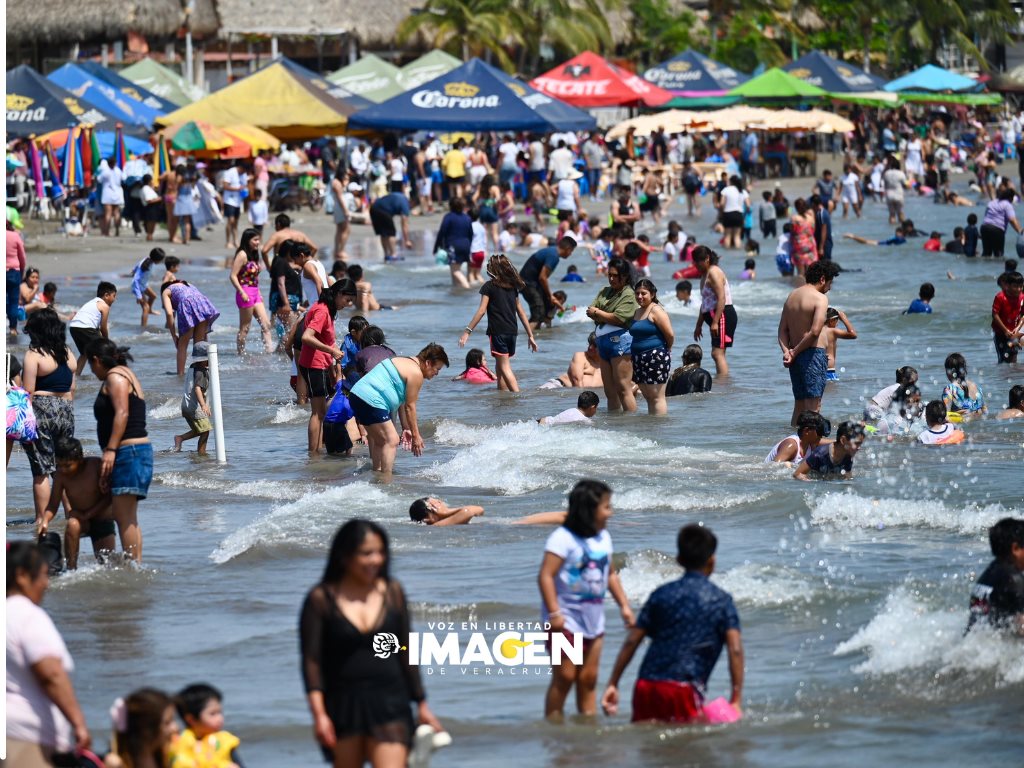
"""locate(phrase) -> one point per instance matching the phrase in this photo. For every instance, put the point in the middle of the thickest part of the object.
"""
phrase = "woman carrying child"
(574, 576)
(499, 299)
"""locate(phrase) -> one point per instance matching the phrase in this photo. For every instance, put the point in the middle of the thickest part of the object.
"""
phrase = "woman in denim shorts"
(613, 311)
(120, 411)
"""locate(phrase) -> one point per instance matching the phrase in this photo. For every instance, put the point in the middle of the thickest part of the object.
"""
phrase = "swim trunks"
(665, 701)
(831, 375)
(808, 373)
(726, 323)
(503, 344)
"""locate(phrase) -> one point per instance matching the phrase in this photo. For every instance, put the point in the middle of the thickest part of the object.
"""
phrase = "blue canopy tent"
(931, 78)
(694, 75)
(473, 97)
(833, 75)
(127, 87)
(100, 94)
(37, 106)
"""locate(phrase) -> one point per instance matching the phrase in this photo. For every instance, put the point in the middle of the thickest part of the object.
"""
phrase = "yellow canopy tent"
(283, 98)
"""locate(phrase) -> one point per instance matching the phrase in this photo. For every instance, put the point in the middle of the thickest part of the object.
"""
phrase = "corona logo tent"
(37, 106)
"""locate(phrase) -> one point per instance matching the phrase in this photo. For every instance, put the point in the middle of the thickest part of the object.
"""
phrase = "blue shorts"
(614, 345)
(366, 413)
(133, 471)
(808, 372)
(503, 344)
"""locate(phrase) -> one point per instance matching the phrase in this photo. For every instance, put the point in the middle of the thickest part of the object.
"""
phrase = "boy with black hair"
(834, 459)
(89, 513)
(689, 620)
(971, 236)
(684, 289)
(998, 594)
(1008, 318)
(171, 266)
(90, 321)
(586, 407)
(956, 245)
(922, 304)
(204, 740)
(766, 217)
(144, 295)
(940, 431)
(811, 430)
(832, 332)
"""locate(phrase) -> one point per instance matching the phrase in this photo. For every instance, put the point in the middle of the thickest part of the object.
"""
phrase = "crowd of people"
(357, 386)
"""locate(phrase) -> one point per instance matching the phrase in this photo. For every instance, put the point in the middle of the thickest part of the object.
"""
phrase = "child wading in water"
(499, 299)
(476, 371)
(574, 576)
(194, 408)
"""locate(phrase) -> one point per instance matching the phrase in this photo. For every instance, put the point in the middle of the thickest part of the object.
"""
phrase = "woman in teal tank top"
(394, 385)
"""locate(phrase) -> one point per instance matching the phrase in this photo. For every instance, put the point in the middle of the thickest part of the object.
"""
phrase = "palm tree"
(658, 31)
(465, 28)
(567, 26)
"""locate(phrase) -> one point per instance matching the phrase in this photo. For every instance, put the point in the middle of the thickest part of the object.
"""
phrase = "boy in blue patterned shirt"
(689, 621)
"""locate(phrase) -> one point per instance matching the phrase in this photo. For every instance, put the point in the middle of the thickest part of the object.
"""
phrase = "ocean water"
(852, 595)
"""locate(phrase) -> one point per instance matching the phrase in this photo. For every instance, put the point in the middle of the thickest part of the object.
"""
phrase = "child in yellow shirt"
(203, 743)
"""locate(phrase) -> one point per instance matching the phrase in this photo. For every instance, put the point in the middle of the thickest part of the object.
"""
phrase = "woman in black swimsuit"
(120, 411)
(360, 702)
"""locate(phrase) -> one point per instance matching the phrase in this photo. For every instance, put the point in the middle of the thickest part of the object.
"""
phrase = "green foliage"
(741, 33)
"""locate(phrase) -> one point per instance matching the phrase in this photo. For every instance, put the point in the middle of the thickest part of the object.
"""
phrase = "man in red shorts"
(688, 621)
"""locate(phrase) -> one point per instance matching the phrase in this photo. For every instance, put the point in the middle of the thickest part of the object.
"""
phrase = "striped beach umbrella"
(120, 156)
(85, 150)
(36, 167)
(97, 156)
(71, 175)
(56, 190)
(161, 158)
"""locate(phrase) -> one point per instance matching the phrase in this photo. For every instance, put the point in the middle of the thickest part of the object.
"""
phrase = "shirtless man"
(583, 372)
(284, 231)
(431, 511)
(79, 479)
(365, 300)
(802, 338)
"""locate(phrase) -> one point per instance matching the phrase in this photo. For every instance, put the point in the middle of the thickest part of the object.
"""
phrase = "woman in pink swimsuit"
(245, 277)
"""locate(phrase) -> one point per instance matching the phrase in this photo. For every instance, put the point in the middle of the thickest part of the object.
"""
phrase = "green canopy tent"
(970, 99)
(163, 81)
(777, 87)
(426, 68)
(701, 102)
(371, 77)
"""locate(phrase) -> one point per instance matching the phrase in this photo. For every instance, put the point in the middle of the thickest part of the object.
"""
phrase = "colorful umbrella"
(51, 161)
(36, 167)
(72, 167)
(196, 136)
(161, 157)
(120, 156)
(85, 149)
(97, 156)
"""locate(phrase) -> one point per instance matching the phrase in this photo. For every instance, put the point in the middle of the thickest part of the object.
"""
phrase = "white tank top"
(88, 316)
(775, 451)
(566, 200)
(309, 289)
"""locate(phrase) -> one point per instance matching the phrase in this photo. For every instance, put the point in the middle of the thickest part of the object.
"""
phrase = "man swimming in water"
(811, 429)
(802, 337)
(431, 511)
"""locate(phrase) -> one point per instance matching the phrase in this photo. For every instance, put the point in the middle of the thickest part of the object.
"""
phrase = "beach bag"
(441, 257)
(21, 419)
(1020, 246)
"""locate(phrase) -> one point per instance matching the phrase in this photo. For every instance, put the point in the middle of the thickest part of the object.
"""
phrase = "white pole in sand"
(218, 413)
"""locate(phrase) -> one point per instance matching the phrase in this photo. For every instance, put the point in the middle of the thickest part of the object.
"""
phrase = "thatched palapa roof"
(61, 21)
(373, 22)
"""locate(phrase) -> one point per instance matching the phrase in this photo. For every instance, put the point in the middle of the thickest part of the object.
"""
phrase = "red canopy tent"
(587, 80)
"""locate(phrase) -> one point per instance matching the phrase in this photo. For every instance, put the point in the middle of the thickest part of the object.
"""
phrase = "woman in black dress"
(359, 701)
